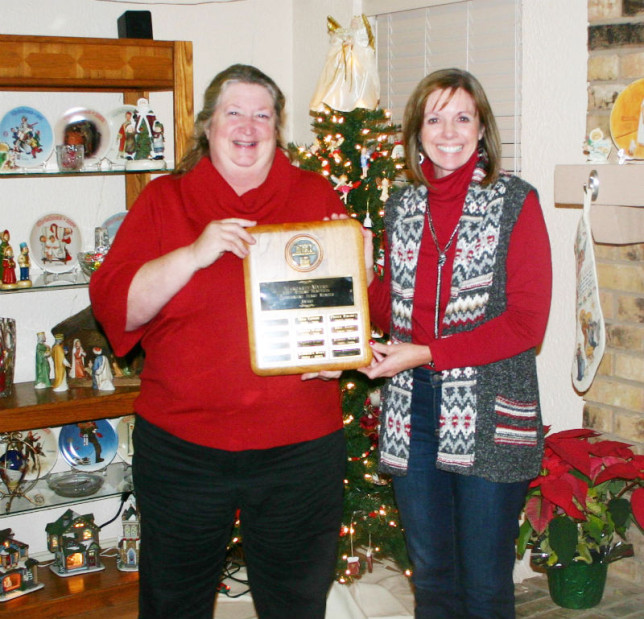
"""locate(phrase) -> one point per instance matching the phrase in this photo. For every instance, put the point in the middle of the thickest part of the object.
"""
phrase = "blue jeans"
(460, 529)
(290, 503)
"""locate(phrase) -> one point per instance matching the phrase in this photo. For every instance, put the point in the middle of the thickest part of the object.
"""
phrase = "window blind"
(480, 36)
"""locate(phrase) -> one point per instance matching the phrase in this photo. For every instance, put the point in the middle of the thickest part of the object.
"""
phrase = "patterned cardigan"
(490, 415)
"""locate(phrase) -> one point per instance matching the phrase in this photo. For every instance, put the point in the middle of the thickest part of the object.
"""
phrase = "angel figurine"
(349, 78)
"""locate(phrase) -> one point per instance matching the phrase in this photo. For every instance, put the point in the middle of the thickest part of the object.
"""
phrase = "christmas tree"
(358, 153)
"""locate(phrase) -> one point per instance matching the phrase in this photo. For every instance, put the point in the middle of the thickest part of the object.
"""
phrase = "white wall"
(554, 124)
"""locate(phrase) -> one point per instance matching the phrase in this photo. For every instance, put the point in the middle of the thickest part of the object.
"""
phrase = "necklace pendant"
(442, 258)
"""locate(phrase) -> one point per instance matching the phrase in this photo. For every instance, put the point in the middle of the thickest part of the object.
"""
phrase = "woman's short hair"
(450, 80)
(237, 73)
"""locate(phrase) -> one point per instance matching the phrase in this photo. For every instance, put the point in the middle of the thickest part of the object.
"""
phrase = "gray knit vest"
(490, 415)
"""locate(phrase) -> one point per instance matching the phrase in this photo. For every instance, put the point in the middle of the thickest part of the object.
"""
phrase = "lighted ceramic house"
(74, 541)
(129, 545)
(18, 573)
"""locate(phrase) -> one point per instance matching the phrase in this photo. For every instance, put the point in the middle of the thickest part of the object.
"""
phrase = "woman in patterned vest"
(465, 299)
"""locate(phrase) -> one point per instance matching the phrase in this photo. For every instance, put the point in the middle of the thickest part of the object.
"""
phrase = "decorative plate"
(92, 129)
(124, 429)
(88, 445)
(122, 130)
(45, 446)
(627, 120)
(113, 223)
(54, 243)
(26, 137)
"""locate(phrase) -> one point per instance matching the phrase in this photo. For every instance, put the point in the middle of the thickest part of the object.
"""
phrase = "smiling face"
(243, 135)
(451, 130)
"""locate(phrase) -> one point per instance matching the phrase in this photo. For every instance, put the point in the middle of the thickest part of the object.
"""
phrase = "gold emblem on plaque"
(303, 253)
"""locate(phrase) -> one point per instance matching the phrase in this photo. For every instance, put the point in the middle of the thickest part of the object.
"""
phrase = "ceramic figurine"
(158, 140)
(9, 281)
(129, 545)
(24, 264)
(74, 541)
(43, 352)
(101, 371)
(18, 573)
(597, 146)
(4, 243)
(126, 139)
(77, 360)
(60, 363)
(148, 139)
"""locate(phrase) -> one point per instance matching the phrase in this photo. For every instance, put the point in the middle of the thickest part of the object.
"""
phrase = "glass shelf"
(117, 478)
(52, 281)
(43, 172)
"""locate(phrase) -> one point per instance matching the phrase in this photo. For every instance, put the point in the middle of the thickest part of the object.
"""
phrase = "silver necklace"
(442, 258)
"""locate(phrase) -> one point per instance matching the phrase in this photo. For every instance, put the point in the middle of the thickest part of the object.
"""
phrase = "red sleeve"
(529, 287)
(110, 285)
(380, 296)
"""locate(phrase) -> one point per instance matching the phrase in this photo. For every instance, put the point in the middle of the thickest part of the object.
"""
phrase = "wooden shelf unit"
(79, 595)
(28, 408)
(134, 67)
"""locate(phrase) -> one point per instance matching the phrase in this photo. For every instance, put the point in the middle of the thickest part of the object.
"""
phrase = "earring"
(421, 158)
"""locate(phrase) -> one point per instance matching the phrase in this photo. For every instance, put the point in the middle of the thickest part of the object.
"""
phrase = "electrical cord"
(230, 570)
(124, 497)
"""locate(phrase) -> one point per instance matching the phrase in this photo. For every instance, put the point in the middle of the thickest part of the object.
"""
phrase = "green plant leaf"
(583, 553)
(525, 536)
(563, 538)
(597, 529)
(620, 512)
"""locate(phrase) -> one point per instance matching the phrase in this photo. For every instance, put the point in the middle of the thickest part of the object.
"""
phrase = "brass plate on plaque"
(306, 298)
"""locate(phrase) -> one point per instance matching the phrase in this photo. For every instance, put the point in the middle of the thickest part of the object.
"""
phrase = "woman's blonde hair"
(450, 80)
(237, 73)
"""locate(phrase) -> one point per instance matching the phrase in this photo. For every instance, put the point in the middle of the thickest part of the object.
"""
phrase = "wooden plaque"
(306, 298)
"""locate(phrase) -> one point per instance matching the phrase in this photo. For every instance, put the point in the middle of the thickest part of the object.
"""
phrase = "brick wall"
(615, 402)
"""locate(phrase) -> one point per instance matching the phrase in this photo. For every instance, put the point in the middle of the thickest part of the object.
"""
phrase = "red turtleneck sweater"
(529, 280)
(197, 381)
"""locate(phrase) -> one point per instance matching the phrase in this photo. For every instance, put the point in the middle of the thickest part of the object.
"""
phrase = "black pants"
(290, 502)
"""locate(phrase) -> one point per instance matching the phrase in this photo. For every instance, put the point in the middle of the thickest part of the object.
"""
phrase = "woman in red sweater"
(465, 298)
(211, 437)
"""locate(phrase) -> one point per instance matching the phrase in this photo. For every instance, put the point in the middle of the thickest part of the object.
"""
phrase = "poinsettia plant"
(580, 506)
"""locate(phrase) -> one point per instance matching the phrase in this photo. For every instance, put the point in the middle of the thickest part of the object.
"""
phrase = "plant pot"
(578, 585)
